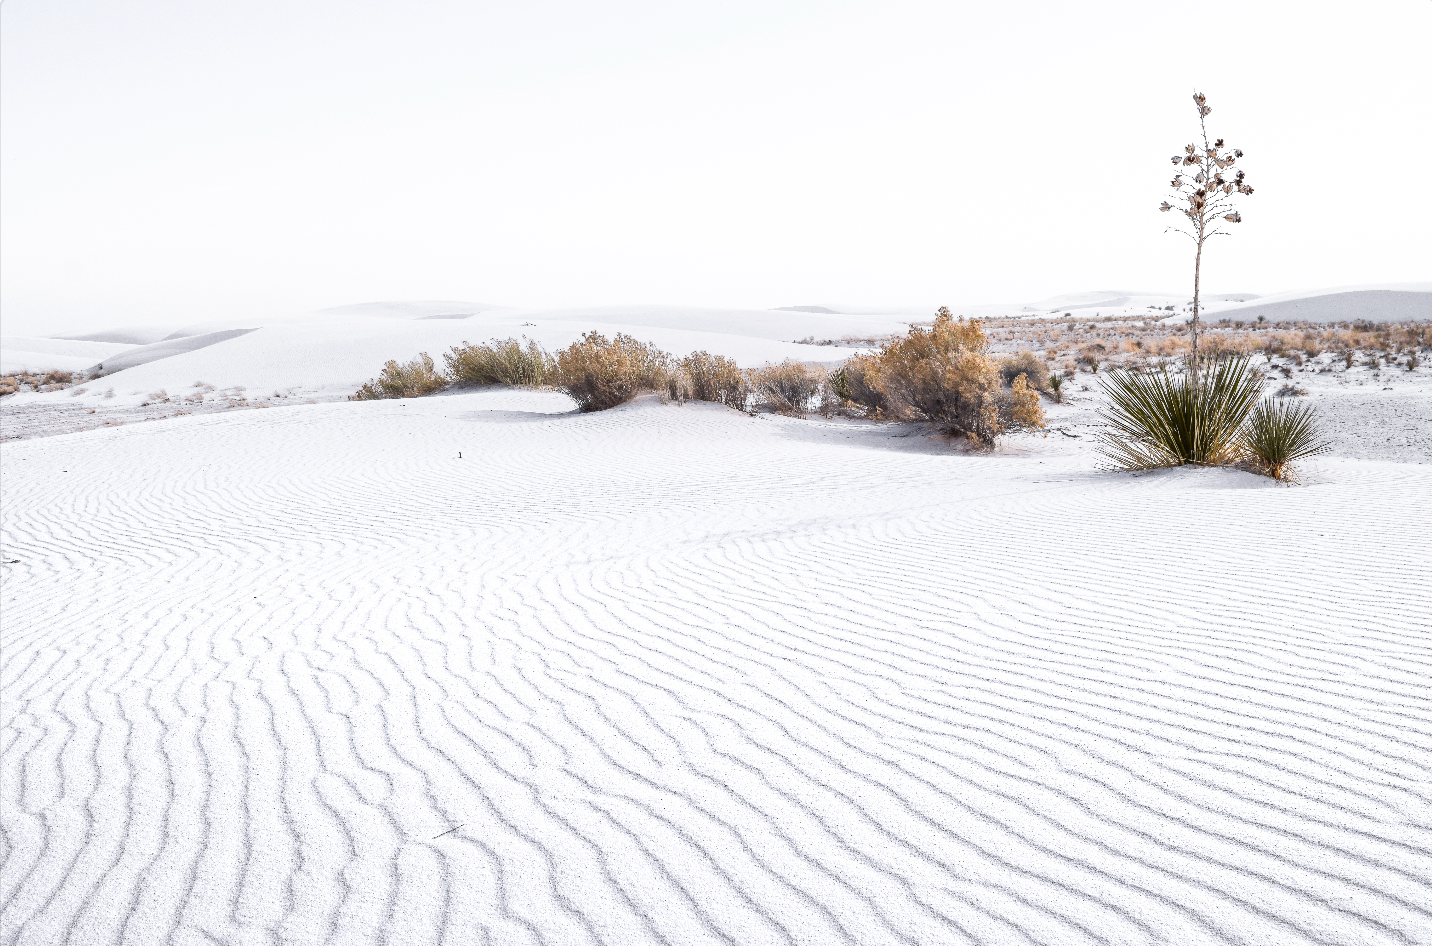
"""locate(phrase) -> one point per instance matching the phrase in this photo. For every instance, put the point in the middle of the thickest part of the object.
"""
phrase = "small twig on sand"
(448, 831)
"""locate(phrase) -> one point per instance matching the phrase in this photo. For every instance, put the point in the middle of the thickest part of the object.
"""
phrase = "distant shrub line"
(944, 375)
(39, 380)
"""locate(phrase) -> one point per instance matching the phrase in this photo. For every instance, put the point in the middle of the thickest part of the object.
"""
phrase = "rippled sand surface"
(675, 675)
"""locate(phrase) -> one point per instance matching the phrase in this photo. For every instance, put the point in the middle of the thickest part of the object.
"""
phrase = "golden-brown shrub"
(499, 362)
(853, 382)
(789, 387)
(707, 377)
(1028, 364)
(414, 379)
(944, 374)
(599, 373)
(1023, 405)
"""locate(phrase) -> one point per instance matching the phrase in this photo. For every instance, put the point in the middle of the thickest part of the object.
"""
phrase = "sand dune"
(167, 348)
(323, 358)
(676, 675)
(1373, 305)
(29, 353)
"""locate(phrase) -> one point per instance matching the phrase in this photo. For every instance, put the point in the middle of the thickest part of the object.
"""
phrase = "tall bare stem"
(1206, 201)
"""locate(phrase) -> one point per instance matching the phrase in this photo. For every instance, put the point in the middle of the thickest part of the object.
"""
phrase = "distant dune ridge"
(1373, 305)
(337, 349)
(177, 344)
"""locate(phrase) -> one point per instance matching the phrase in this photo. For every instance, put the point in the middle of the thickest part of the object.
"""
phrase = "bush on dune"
(854, 382)
(499, 362)
(706, 377)
(943, 374)
(414, 379)
(599, 373)
(790, 388)
(1028, 364)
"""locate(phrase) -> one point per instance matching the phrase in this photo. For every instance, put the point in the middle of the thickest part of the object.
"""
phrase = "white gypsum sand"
(672, 674)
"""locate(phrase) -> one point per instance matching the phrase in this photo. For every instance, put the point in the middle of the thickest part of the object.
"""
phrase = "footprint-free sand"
(477, 669)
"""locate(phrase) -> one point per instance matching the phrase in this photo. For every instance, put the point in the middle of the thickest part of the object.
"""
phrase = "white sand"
(676, 675)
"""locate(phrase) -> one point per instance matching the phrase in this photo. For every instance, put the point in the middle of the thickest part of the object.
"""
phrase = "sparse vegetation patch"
(413, 379)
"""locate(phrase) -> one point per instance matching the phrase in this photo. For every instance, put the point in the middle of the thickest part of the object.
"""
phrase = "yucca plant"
(1280, 433)
(1161, 419)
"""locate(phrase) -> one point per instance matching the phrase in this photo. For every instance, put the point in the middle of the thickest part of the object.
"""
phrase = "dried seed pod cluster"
(1201, 193)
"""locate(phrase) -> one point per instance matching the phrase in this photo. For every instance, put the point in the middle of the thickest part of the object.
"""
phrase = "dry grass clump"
(506, 361)
(599, 373)
(707, 377)
(38, 380)
(943, 374)
(414, 379)
(1091, 355)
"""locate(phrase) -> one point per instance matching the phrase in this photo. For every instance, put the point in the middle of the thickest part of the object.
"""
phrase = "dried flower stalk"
(1205, 196)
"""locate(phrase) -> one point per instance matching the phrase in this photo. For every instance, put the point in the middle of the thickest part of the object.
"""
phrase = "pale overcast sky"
(165, 160)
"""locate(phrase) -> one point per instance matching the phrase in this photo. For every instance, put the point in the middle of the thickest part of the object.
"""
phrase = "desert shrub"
(1028, 364)
(789, 387)
(1159, 419)
(1018, 405)
(943, 374)
(854, 382)
(599, 373)
(1280, 433)
(414, 379)
(707, 377)
(1290, 390)
(8, 385)
(499, 362)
